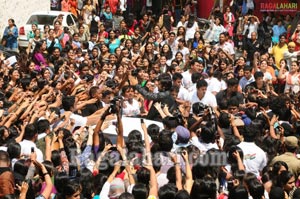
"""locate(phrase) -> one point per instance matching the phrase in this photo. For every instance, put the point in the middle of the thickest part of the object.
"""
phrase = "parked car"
(45, 18)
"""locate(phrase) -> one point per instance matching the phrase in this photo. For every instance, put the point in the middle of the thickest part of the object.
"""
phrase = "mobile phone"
(142, 120)
(32, 149)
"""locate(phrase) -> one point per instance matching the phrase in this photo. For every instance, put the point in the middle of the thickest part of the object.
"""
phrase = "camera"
(113, 105)
(199, 108)
(111, 83)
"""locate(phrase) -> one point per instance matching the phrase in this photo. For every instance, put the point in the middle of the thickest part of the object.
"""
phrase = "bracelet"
(177, 163)
(45, 174)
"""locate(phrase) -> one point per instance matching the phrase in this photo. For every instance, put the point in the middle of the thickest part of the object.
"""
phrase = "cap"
(246, 120)
(183, 134)
(291, 44)
(291, 141)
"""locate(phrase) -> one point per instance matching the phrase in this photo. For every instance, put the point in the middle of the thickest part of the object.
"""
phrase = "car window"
(70, 21)
(75, 18)
(41, 19)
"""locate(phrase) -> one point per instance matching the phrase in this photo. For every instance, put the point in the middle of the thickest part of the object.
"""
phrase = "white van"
(45, 18)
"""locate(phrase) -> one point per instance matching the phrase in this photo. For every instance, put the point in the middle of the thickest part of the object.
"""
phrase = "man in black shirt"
(231, 91)
(252, 46)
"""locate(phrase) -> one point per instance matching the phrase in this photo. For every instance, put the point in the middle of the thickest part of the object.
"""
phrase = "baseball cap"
(291, 141)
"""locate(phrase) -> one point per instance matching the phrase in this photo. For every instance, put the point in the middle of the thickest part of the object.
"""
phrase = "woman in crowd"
(292, 80)
(10, 36)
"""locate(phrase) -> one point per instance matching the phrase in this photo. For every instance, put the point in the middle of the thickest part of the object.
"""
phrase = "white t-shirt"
(204, 147)
(183, 94)
(214, 85)
(187, 79)
(79, 120)
(255, 158)
(26, 150)
(190, 32)
(131, 109)
(209, 99)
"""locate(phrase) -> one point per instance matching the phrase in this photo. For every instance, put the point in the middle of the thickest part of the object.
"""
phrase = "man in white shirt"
(183, 94)
(225, 46)
(290, 54)
(202, 95)
(196, 67)
(255, 158)
(216, 84)
(30, 136)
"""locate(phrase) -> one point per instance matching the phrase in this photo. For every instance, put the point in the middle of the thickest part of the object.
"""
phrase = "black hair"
(177, 76)
(182, 194)
(170, 122)
(25, 82)
(208, 134)
(14, 150)
(250, 133)
(2, 131)
(248, 68)
(126, 195)
(256, 189)
(258, 74)
(143, 175)
(99, 181)
(30, 131)
(165, 141)
(196, 77)
(21, 168)
(70, 188)
(276, 193)
(224, 120)
(106, 93)
(153, 131)
(238, 192)
(43, 125)
(232, 82)
(140, 191)
(55, 158)
(204, 188)
(68, 102)
(201, 83)
(167, 191)
(283, 178)
(165, 81)
(87, 181)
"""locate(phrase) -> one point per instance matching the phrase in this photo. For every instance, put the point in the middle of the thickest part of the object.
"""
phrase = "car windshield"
(41, 19)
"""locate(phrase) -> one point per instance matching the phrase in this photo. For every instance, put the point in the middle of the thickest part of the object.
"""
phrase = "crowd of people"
(226, 94)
